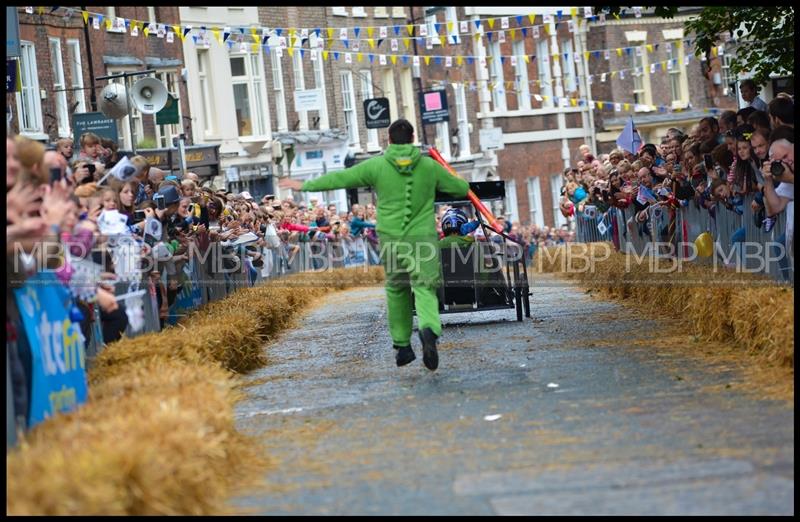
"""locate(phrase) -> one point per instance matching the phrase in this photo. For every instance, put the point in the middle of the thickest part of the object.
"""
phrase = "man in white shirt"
(781, 152)
(749, 92)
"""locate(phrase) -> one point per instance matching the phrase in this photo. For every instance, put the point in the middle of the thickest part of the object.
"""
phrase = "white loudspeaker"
(149, 95)
(114, 101)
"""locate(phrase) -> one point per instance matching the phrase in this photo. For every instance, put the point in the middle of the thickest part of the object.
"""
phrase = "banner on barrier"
(189, 298)
(58, 360)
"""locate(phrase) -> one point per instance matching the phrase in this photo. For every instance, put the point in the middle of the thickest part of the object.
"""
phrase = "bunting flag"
(370, 31)
(410, 29)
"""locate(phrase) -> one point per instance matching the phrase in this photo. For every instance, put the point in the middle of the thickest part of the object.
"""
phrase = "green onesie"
(406, 183)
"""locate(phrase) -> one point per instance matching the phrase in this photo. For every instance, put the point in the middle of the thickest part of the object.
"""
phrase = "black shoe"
(429, 355)
(404, 355)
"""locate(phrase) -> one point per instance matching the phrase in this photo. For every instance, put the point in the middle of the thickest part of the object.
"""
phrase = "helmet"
(452, 220)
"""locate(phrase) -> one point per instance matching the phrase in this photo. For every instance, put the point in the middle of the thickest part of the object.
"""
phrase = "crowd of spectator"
(716, 165)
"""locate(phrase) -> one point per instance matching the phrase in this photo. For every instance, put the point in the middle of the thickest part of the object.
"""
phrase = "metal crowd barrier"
(674, 230)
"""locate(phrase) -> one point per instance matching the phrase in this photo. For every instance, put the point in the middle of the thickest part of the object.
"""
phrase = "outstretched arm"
(360, 175)
(447, 183)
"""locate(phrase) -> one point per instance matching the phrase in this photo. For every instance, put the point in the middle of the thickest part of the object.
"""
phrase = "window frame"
(59, 86)
(462, 117)
(206, 85)
(254, 80)
(569, 67)
(350, 114)
(279, 89)
(534, 192)
(496, 77)
(521, 76)
(33, 92)
(556, 182)
(373, 144)
(76, 73)
(545, 73)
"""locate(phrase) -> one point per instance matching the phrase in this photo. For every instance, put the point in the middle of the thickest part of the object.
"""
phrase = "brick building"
(678, 92)
(56, 78)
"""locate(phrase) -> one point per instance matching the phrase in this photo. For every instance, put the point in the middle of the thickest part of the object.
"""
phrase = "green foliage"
(147, 143)
(765, 36)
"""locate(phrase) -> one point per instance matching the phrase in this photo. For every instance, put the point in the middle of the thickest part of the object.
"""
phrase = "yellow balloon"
(704, 244)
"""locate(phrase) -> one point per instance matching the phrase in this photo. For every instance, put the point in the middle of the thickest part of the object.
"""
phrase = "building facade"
(56, 77)
(651, 66)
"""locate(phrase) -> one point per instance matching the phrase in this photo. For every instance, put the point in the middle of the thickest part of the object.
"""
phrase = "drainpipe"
(92, 95)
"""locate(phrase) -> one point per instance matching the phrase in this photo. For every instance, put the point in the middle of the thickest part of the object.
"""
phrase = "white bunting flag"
(537, 97)
(242, 46)
(603, 78)
(652, 68)
(416, 61)
(170, 37)
(482, 61)
(394, 45)
(348, 58)
(162, 31)
(314, 55)
(501, 36)
(513, 61)
(135, 30)
(96, 22)
(570, 26)
(504, 22)
(617, 107)
(423, 30)
(607, 54)
(382, 59)
(622, 75)
(383, 32)
(464, 27)
(448, 61)
(591, 105)
(536, 31)
(282, 42)
(343, 33)
(429, 43)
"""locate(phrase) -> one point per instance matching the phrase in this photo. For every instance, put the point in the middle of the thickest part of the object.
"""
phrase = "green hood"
(403, 157)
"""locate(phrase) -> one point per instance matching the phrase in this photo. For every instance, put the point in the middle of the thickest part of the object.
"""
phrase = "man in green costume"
(406, 183)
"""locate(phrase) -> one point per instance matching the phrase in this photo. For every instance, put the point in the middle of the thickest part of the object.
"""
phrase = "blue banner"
(58, 373)
(189, 298)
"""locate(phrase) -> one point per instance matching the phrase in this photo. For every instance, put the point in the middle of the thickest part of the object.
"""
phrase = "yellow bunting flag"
(459, 60)
(146, 32)
(290, 50)
(370, 31)
(360, 56)
(177, 29)
(254, 34)
(394, 58)
(526, 58)
(325, 55)
(254, 48)
(531, 18)
(490, 21)
(626, 106)
(476, 36)
(330, 33)
(427, 60)
(586, 55)
(547, 29)
(410, 29)
(108, 24)
(215, 31)
(40, 10)
(442, 40)
(371, 43)
(449, 27)
(573, 12)
(599, 105)
(85, 16)
(613, 73)
(619, 51)
(406, 42)
(573, 101)
(649, 48)
(513, 33)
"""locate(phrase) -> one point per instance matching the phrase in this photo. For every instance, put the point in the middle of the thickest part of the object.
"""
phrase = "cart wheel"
(518, 302)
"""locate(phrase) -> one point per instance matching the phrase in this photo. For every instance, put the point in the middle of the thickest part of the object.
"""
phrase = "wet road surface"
(574, 411)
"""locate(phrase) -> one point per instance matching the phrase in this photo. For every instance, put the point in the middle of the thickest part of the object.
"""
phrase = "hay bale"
(719, 305)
